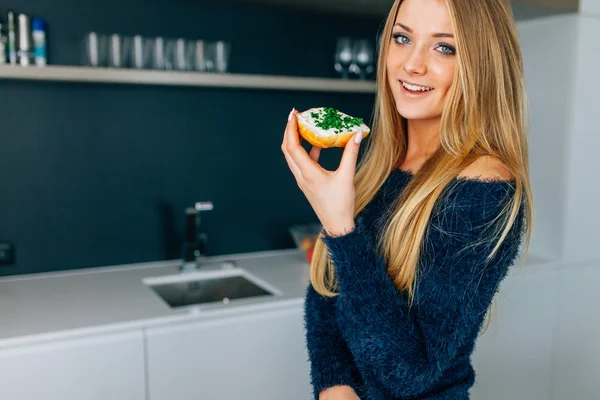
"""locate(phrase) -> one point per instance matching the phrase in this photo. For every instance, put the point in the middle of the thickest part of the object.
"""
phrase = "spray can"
(38, 27)
(2, 46)
(24, 53)
(11, 39)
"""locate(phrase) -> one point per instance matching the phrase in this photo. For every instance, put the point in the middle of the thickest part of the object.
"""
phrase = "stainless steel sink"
(203, 287)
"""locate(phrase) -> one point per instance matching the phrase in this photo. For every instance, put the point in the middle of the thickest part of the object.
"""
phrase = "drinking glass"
(170, 58)
(95, 54)
(199, 55)
(118, 49)
(209, 56)
(159, 59)
(222, 51)
(343, 56)
(141, 52)
(180, 59)
(190, 55)
(363, 58)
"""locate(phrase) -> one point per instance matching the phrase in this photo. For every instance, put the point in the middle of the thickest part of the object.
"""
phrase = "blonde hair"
(484, 115)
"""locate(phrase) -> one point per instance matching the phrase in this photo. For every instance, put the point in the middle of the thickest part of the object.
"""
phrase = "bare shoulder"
(487, 168)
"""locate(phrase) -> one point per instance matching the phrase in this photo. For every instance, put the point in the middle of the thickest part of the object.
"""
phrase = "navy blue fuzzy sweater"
(369, 339)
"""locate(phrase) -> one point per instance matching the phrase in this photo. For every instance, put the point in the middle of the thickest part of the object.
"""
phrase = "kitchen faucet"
(194, 244)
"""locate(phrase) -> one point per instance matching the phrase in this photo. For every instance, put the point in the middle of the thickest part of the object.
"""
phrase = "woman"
(415, 245)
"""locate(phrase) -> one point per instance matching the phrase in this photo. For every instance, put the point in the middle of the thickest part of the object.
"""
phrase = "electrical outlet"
(7, 253)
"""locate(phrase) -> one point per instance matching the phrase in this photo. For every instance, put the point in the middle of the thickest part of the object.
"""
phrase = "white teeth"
(415, 88)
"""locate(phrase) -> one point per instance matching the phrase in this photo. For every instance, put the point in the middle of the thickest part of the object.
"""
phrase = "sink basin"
(193, 288)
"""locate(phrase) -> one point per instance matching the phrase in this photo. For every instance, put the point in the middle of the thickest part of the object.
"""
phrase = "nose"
(416, 63)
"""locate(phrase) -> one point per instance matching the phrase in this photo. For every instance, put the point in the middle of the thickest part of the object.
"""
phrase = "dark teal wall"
(100, 174)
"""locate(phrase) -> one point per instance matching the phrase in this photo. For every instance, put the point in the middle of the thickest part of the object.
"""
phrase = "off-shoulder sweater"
(367, 337)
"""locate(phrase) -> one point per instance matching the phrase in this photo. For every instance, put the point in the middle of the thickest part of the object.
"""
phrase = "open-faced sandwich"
(327, 127)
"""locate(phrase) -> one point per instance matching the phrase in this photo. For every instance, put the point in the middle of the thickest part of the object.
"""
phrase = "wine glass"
(222, 51)
(363, 58)
(343, 56)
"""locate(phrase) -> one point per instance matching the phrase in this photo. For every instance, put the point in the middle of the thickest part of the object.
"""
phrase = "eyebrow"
(436, 35)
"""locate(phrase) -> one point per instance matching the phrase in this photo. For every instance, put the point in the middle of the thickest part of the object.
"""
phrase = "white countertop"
(50, 306)
(58, 305)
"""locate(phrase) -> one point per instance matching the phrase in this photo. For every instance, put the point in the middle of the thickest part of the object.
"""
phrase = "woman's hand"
(330, 193)
(341, 392)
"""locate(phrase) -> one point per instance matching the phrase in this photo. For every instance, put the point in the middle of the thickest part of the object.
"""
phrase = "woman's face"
(422, 52)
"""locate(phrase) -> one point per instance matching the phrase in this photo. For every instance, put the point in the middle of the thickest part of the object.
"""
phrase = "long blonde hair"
(484, 115)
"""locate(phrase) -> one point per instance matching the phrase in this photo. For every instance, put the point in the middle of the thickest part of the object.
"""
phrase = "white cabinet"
(101, 367)
(513, 358)
(256, 356)
(576, 353)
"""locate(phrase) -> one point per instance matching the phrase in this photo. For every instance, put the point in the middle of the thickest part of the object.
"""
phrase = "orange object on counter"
(309, 254)
(307, 243)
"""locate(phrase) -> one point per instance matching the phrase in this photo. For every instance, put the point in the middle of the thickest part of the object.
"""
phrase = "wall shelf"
(182, 78)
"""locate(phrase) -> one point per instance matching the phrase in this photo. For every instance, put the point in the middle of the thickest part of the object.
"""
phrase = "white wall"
(542, 342)
(582, 234)
(562, 59)
(528, 11)
(513, 358)
(589, 6)
(548, 53)
(576, 344)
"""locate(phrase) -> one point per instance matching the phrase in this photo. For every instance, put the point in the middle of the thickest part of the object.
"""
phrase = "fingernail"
(358, 137)
(291, 114)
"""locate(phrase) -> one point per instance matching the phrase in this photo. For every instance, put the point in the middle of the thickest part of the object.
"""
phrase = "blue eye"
(449, 50)
(400, 36)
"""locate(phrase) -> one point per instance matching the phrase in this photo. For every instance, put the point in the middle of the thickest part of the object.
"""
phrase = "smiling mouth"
(415, 88)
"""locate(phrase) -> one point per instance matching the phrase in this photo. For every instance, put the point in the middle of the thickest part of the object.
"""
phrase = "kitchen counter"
(50, 306)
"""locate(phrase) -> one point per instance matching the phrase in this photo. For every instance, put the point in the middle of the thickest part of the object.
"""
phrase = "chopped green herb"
(331, 118)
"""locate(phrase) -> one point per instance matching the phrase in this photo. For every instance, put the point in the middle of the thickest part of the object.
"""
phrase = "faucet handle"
(194, 245)
(192, 219)
(198, 207)
(204, 205)
(200, 237)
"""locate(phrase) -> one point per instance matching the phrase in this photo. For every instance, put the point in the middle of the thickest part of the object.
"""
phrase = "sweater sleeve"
(331, 362)
(408, 351)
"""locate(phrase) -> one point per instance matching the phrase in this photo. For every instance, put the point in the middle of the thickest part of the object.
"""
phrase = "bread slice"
(327, 127)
